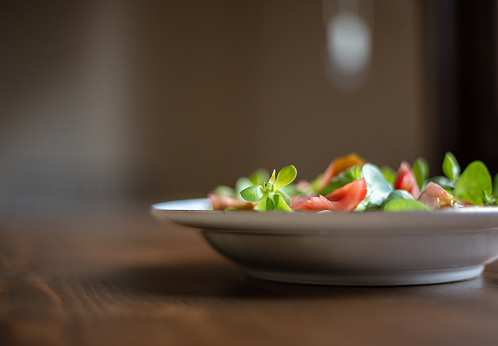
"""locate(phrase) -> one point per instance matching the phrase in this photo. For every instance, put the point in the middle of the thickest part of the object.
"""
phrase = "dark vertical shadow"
(462, 57)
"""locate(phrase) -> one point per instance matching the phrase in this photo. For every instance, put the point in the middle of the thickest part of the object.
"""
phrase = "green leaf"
(270, 205)
(451, 168)
(286, 197)
(397, 194)
(405, 205)
(290, 190)
(286, 176)
(243, 183)
(474, 184)
(354, 173)
(315, 185)
(272, 179)
(280, 203)
(489, 200)
(223, 190)
(252, 193)
(388, 173)
(362, 205)
(495, 186)
(261, 206)
(420, 171)
(259, 177)
(378, 188)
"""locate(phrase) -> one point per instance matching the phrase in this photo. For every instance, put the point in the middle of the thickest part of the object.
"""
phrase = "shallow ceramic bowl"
(366, 248)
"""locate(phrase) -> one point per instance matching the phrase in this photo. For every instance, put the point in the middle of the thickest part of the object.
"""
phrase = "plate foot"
(421, 277)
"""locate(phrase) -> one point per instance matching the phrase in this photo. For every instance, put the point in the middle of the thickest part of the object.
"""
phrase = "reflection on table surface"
(126, 278)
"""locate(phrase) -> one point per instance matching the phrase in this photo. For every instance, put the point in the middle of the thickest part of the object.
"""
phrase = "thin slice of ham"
(343, 199)
(435, 197)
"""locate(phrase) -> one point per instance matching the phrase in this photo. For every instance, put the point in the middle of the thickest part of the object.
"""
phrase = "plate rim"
(482, 219)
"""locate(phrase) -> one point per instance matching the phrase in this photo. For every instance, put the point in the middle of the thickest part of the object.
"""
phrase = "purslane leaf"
(377, 186)
(261, 206)
(286, 176)
(267, 194)
(290, 190)
(223, 190)
(280, 204)
(286, 197)
(252, 193)
(242, 183)
(495, 186)
(451, 168)
(388, 174)
(270, 205)
(272, 179)
(405, 205)
(420, 171)
(397, 194)
(362, 206)
(259, 177)
(474, 184)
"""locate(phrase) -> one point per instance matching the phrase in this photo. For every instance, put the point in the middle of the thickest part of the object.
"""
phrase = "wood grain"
(128, 280)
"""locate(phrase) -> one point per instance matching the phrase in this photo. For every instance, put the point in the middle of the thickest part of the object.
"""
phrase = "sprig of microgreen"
(268, 194)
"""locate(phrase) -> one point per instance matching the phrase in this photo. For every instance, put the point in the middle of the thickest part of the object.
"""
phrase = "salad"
(352, 184)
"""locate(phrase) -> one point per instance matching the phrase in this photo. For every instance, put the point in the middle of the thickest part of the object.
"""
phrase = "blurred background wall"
(153, 100)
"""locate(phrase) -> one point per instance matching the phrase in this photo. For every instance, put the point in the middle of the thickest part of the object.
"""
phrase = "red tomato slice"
(405, 180)
(339, 165)
(435, 197)
(345, 198)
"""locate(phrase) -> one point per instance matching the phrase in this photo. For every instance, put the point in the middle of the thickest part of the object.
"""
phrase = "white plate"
(368, 248)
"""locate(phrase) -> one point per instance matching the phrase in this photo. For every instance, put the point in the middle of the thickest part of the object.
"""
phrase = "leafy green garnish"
(378, 188)
(420, 171)
(271, 192)
(259, 176)
(474, 185)
(388, 173)
(268, 194)
(405, 205)
(451, 168)
(285, 176)
(242, 183)
(362, 206)
(252, 193)
(256, 178)
(223, 190)
(397, 194)
(495, 186)
(291, 190)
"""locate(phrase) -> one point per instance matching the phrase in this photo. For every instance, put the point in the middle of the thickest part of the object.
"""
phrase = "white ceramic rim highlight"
(192, 213)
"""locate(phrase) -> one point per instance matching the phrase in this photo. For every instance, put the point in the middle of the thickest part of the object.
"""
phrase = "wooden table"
(125, 279)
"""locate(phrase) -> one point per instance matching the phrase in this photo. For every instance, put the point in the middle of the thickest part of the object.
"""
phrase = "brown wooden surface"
(126, 279)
